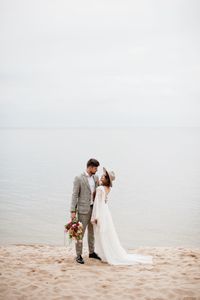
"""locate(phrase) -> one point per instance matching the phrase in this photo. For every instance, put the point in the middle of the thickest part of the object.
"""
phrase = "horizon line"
(99, 127)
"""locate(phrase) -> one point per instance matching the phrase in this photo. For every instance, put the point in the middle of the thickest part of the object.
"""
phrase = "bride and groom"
(89, 201)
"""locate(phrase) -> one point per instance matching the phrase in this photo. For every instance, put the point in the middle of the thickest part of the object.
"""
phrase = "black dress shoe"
(94, 255)
(79, 259)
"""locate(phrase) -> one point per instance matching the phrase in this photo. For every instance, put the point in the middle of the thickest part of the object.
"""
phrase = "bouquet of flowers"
(74, 228)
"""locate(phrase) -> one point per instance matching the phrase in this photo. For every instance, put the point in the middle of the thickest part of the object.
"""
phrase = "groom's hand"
(73, 215)
(94, 221)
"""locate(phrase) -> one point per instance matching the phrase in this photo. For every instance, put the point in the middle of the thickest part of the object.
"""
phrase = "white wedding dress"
(107, 244)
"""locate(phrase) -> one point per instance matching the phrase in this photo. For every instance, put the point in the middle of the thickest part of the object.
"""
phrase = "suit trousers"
(85, 220)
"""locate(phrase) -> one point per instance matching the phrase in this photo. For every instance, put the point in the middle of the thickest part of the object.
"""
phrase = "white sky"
(99, 63)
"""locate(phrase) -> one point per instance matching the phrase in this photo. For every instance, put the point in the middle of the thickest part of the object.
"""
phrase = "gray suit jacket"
(81, 195)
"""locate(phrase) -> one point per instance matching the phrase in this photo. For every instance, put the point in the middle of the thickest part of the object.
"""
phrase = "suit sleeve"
(75, 193)
(97, 181)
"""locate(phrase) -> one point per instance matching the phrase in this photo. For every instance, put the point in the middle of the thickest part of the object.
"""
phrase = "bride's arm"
(96, 207)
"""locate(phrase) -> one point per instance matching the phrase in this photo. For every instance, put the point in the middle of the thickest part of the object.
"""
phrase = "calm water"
(155, 200)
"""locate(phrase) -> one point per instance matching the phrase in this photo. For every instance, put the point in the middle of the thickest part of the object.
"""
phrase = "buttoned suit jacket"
(81, 195)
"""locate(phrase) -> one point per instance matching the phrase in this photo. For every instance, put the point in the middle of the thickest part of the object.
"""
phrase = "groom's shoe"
(79, 259)
(94, 255)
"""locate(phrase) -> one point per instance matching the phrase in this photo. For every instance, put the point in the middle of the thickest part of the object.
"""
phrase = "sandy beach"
(50, 272)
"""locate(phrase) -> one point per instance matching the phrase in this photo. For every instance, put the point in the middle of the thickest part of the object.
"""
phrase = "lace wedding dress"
(107, 244)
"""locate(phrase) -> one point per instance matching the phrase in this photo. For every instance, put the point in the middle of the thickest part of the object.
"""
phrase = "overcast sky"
(99, 63)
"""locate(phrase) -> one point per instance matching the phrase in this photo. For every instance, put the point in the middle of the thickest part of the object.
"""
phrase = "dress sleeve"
(96, 212)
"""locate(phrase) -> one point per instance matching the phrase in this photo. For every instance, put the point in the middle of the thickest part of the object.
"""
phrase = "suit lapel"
(86, 180)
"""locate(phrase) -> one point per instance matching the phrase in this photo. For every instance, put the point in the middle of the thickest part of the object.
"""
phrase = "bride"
(107, 244)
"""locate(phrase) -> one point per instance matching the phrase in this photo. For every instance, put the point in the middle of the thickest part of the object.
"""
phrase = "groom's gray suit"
(81, 202)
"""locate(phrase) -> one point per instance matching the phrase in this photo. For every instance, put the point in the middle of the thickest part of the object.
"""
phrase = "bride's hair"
(107, 183)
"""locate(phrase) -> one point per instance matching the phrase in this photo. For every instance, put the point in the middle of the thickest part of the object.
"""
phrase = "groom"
(83, 195)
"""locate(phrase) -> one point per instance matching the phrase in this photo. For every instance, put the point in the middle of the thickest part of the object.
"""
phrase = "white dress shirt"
(92, 186)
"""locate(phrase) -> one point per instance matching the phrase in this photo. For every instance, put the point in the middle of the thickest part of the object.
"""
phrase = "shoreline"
(41, 271)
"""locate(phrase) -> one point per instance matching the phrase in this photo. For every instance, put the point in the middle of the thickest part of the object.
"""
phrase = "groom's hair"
(92, 162)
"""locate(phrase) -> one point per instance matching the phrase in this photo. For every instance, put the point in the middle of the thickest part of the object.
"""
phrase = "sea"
(155, 199)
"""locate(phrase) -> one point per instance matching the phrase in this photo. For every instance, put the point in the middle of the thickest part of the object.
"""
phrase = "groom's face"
(93, 170)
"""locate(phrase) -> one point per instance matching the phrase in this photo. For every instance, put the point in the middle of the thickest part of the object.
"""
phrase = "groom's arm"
(97, 183)
(75, 194)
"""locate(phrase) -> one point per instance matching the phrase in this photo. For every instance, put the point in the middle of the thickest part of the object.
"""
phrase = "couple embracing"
(90, 203)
